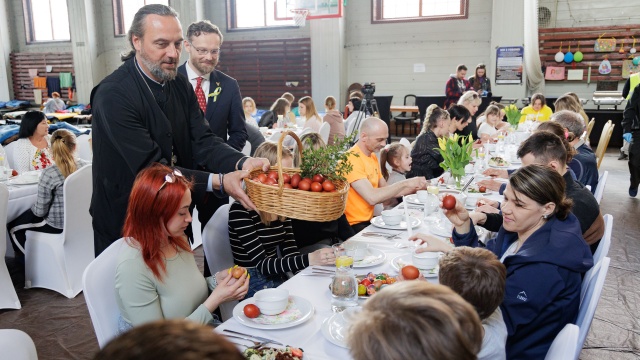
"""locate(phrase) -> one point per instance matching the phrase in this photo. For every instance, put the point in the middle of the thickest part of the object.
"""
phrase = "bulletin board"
(584, 39)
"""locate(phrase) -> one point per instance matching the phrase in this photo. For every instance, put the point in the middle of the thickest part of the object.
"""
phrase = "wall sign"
(509, 62)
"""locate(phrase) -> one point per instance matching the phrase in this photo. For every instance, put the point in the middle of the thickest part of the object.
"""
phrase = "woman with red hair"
(157, 276)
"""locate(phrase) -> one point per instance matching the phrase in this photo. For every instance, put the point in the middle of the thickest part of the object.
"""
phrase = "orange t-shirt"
(364, 167)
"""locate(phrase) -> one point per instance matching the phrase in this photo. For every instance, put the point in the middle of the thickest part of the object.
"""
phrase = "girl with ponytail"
(47, 214)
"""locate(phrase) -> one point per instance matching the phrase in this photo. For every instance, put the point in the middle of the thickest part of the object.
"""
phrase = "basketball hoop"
(300, 17)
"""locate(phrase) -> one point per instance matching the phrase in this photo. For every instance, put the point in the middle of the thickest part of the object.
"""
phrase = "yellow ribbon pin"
(215, 93)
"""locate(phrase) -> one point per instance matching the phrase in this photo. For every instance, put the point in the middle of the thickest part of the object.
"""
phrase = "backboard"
(318, 9)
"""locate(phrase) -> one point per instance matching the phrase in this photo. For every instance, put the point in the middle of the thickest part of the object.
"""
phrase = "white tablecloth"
(315, 289)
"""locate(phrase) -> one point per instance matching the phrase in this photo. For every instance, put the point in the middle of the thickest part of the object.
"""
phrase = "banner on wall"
(509, 62)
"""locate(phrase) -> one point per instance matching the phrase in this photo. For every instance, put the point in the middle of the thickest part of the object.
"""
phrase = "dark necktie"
(202, 100)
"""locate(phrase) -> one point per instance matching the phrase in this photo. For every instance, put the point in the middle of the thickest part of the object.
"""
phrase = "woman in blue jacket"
(541, 245)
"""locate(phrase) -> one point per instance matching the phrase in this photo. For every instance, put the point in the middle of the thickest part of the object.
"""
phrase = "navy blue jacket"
(543, 283)
(585, 166)
(224, 112)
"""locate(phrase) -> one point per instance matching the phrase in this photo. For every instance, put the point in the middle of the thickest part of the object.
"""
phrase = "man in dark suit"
(218, 96)
(144, 112)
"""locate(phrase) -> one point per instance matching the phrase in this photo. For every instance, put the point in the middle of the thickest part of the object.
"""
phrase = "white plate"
(303, 305)
(377, 222)
(500, 167)
(440, 231)
(406, 259)
(368, 261)
(336, 328)
(413, 199)
(23, 180)
(488, 192)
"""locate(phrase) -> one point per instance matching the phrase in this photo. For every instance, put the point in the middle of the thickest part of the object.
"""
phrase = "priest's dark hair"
(137, 25)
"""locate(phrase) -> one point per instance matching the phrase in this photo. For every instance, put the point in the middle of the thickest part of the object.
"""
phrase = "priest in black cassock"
(144, 112)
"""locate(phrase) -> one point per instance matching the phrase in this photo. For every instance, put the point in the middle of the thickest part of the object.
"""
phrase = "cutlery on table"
(382, 235)
(256, 344)
(270, 341)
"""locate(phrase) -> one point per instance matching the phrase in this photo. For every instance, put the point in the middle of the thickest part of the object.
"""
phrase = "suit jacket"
(224, 112)
(131, 131)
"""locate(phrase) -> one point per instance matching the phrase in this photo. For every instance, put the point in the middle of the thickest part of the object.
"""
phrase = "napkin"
(291, 313)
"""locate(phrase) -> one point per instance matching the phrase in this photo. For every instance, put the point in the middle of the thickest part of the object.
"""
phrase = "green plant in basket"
(331, 161)
(513, 115)
(456, 151)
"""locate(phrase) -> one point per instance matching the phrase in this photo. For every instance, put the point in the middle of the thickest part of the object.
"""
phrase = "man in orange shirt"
(368, 187)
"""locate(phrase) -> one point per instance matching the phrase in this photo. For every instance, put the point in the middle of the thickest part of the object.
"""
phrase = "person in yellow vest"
(368, 187)
(627, 91)
(537, 110)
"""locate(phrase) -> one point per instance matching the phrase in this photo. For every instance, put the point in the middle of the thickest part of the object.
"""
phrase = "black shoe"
(623, 156)
(633, 192)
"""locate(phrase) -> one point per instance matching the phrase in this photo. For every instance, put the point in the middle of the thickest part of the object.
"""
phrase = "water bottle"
(280, 123)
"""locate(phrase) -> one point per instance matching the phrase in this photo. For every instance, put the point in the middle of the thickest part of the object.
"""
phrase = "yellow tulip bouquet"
(513, 115)
(456, 151)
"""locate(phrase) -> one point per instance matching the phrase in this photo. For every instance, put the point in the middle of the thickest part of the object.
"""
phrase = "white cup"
(392, 217)
(425, 260)
(272, 301)
(423, 196)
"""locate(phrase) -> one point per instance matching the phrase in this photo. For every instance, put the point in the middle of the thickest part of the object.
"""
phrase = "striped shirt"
(254, 245)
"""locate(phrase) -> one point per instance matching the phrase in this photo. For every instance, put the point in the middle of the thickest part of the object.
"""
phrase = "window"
(385, 11)
(124, 11)
(46, 20)
(251, 14)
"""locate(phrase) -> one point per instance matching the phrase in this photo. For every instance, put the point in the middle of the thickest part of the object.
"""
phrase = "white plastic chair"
(17, 345)
(56, 261)
(564, 345)
(8, 153)
(196, 228)
(99, 285)
(83, 147)
(605, 242)
(600, 187)
(217, 249)
(246, 150)
(590, 303)
(405, 142)
(324, 132)
(8, 297)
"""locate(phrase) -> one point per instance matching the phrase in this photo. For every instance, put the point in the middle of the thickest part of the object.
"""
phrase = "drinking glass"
(344, 285)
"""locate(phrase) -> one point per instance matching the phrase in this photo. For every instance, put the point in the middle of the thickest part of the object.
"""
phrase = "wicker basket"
(293, 203)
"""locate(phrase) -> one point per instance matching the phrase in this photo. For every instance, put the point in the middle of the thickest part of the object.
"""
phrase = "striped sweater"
(254, 245)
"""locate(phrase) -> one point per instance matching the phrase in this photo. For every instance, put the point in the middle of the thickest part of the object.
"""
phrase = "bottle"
(280, 124)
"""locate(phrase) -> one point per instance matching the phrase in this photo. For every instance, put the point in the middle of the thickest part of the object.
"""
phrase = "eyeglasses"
(170, 178)
(201, 51)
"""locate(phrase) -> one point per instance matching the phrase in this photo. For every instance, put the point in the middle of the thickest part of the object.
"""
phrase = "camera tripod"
(368, 106)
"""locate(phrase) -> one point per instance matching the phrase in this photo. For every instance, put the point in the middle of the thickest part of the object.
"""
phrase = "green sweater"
(143, 298)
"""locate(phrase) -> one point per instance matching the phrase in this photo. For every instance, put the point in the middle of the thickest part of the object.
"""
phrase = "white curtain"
(532, 65)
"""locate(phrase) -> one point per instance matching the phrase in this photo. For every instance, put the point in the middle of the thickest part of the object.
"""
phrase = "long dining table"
(315, 289)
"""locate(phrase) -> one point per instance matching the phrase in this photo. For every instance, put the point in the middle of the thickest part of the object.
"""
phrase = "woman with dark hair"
(480, 82)
(425, 158)
(32, 150)
(270, 118)
(156, 274)
(541, 245)
(460, 118)
(47, 214)
(537, 110)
